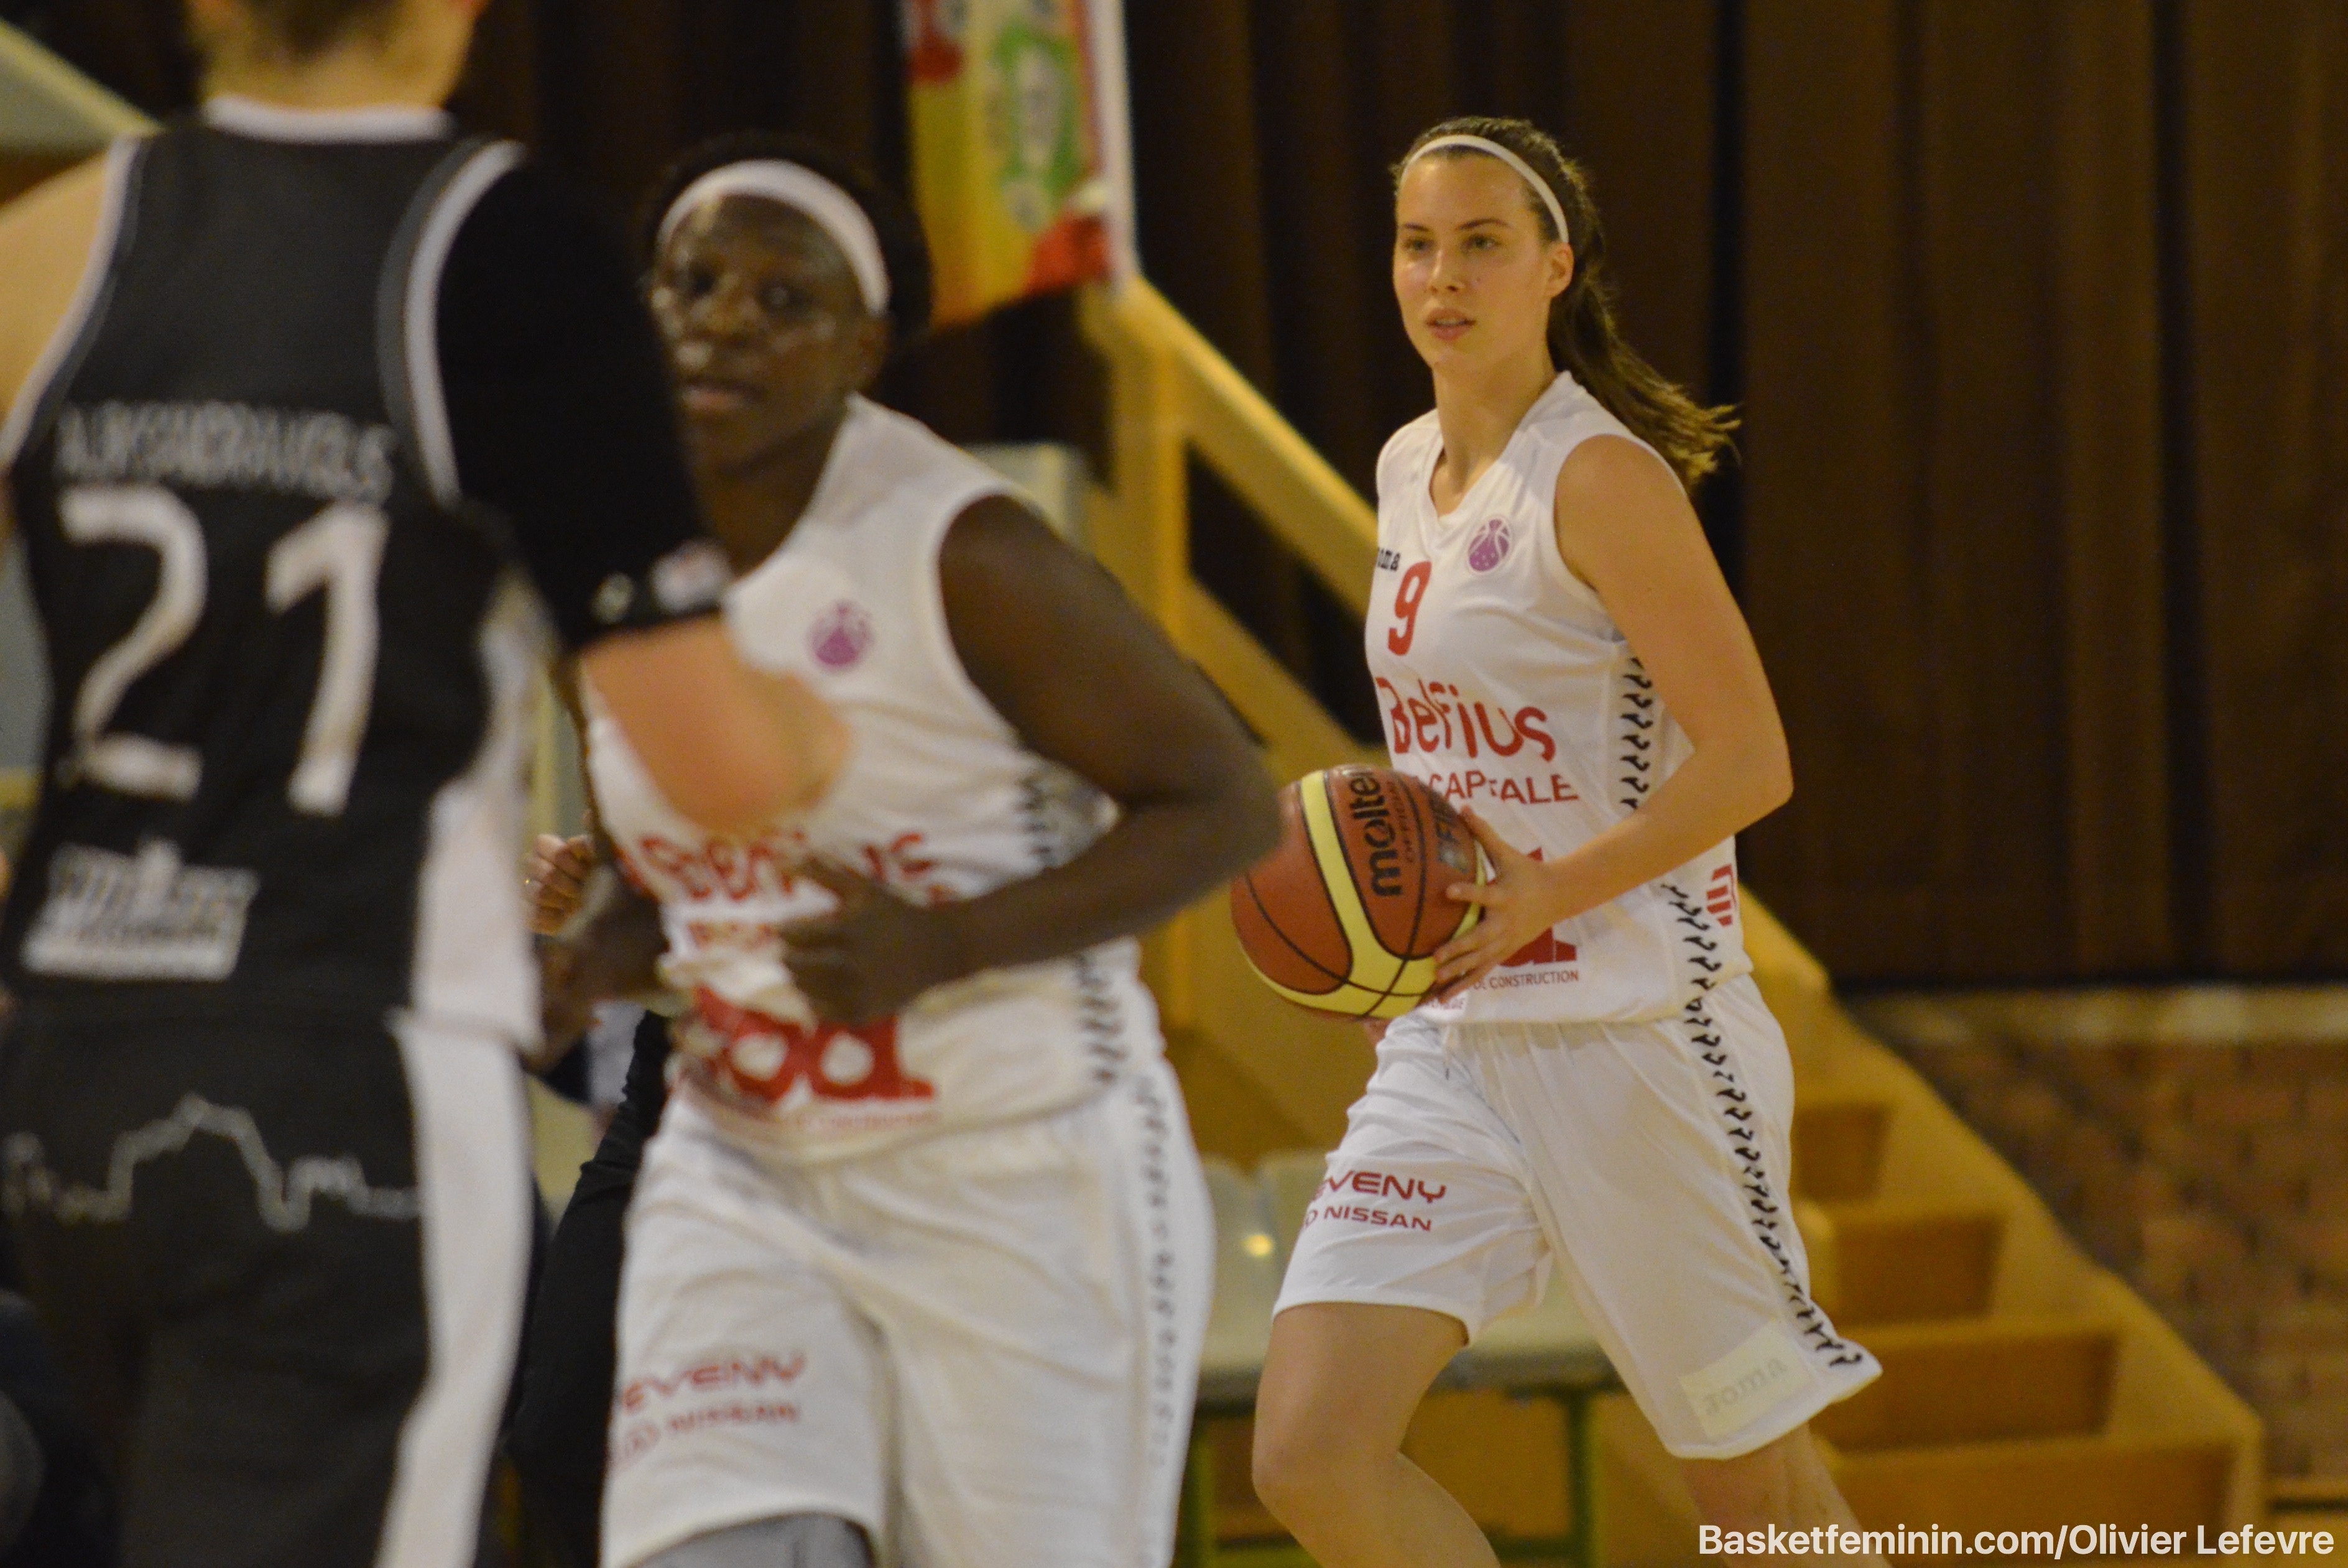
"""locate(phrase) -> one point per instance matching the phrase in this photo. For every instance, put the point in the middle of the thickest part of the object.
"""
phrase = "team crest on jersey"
(842, 635)
(1489, 548)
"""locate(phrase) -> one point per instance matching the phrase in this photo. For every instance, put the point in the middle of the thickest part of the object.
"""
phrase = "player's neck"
(753, 509)
(356, 76)
(1479, 412)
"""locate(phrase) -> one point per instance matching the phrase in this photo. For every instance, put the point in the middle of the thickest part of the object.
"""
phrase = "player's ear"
(875, 336)
(1560, 262)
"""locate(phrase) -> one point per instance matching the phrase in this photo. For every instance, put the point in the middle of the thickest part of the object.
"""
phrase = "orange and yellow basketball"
(1343, 918)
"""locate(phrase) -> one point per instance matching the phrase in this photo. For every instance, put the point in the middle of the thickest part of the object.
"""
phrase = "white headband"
(1541, 186)
(832, 209)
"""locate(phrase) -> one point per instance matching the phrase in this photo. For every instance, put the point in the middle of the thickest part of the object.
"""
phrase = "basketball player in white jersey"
(1602, 1092)
(303, 396)
(918, 1259)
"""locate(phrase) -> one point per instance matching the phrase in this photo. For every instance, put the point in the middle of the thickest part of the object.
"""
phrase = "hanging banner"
(1020, 190)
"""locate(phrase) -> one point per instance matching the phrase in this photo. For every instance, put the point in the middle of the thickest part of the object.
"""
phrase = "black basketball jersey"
(289, 663)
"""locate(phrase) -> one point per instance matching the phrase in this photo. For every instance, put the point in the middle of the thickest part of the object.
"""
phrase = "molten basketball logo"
(1346, 916)
(1489, 548)
(842, 635)
(1375, 821)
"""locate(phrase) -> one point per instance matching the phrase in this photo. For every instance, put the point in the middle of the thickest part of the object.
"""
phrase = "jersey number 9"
(1407, 595)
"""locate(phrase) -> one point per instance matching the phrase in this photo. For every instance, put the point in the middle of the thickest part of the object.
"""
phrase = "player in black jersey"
(303, 399)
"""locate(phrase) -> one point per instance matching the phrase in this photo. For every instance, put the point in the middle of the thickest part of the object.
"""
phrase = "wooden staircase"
(2023, 1387)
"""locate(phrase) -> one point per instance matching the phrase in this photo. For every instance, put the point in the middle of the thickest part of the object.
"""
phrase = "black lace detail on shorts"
(1765, 1209)
(1170, 1396)
(1637, 724)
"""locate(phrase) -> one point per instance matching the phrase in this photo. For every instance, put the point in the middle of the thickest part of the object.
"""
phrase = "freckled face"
(1472, 270)
(767, 333)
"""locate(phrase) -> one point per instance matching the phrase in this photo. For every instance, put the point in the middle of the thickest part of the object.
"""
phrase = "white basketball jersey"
(1508, 687)
(940, 801)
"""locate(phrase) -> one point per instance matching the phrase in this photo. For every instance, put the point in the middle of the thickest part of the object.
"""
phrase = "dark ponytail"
(1583, 337)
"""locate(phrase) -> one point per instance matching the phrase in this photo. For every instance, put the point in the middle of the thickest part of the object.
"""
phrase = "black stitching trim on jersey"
(1036, 823)
(1766, 1213)
(1697, 944)
(1100, 1022)
(1169, 1398)
(1636, 724)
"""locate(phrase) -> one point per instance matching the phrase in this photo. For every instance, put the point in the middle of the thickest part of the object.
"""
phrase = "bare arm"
(44, 247)
(731, 747)
(1626, 528)
(1089, 681)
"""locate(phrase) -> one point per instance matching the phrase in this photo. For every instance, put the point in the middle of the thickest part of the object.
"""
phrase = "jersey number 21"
(340, 550)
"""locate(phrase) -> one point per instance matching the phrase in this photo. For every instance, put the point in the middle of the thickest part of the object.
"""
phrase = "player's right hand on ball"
(555, 878)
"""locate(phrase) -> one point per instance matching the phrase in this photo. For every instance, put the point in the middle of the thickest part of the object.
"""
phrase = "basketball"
(1344, 916)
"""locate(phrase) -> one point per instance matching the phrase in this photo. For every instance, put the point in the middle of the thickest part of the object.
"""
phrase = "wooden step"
(1900, 1263)
(2038, 1483)
(1838, 1148)
(1974, 1380)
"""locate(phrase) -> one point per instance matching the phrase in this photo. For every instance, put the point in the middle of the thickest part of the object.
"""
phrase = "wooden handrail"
(1308, 504)
(46, 105)
(1173, 395)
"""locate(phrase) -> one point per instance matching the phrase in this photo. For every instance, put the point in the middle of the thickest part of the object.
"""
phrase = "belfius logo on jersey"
(1439, 721)
(1438, 717)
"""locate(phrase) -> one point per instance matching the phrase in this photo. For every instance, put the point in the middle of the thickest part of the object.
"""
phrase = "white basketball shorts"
(1647, 1161)
(981, 1347)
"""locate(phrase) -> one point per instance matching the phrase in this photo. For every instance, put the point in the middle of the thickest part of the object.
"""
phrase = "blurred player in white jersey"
(1602, 1090)
(918, 1259)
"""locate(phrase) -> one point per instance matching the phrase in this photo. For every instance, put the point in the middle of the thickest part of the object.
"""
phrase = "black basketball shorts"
(283, 1265)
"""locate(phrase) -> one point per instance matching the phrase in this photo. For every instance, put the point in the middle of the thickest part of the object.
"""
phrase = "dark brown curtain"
(1954, 492)
(2046, 539)
(2036, 312)
(2262, 443)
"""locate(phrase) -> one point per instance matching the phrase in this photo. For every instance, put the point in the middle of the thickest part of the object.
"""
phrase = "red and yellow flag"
(1009, 170)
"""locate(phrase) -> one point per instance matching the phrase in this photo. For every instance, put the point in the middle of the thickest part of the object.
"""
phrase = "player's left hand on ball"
(1520, 900)
(870, 956)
